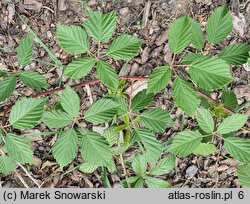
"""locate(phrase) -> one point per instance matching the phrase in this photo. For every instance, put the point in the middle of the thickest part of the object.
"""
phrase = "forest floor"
(149, 20)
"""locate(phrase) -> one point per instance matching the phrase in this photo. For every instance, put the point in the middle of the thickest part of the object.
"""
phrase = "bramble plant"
(132, 122)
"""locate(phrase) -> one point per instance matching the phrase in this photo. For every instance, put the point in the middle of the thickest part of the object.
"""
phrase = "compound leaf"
(6, 165)
(65, 148)
(100, 26)
(141, 100)
(101, 111)
(70, 101)
(158, 79)
(95, 149)
(210, 72)
(26, 112)
(33, 80)
(7, 85)
(57, 119)
(24, 50)
(179, 34)
(185, 97)
(156, 119)
(72, 39)
(235, 54)
(238, 148)
(107, 75)
(79, 68)
(205, 120)
(219, 25)
(163, 166)
(124, 47)
(232, 123)
(19, 149)
(205, 149)
(184, 143)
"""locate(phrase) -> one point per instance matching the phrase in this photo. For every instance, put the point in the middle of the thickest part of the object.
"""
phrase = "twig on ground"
(89, 94)
(28, 174)
(21, 179)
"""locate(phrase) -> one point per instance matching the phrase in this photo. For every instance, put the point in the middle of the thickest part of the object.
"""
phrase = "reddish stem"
(130, 78)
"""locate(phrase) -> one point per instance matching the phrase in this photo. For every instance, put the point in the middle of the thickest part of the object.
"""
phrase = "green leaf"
(24, 50)
(100, 26)
(156, 183)
(107, 75)
(122, 103)
(179, 34)
(158, 79)
(3, 73)
(111, 135)
(219, 25)
(248, 60)
(184, 143)
(205, 149)
(232, 123)
(26, 112)
(112, 166)
(197, 36)
(95, 149)
(6, 165)
(205, 120)
(235, 54)
(33, 80)
(139, 164)
(229, 99)
(156, 119)
(65, 148)
(80, 67)
(124, 47)
(70, 101)
(243, 173)
(152, 145)
(163, 166)
(57, 119)
(72, 39)
(7, 85)
(52, 56)
(101, 111)
(190, 58)
(19, 149)
(185, 97)
(139, 183)
(141, 100)
(238, 148)
(210, 72)
(132, 179)
(88, 168)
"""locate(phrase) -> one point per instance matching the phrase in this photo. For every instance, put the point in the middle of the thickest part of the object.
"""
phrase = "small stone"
(222, 168)
(124, 11)
(62, 5)
(191, 171)
(32, 5)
